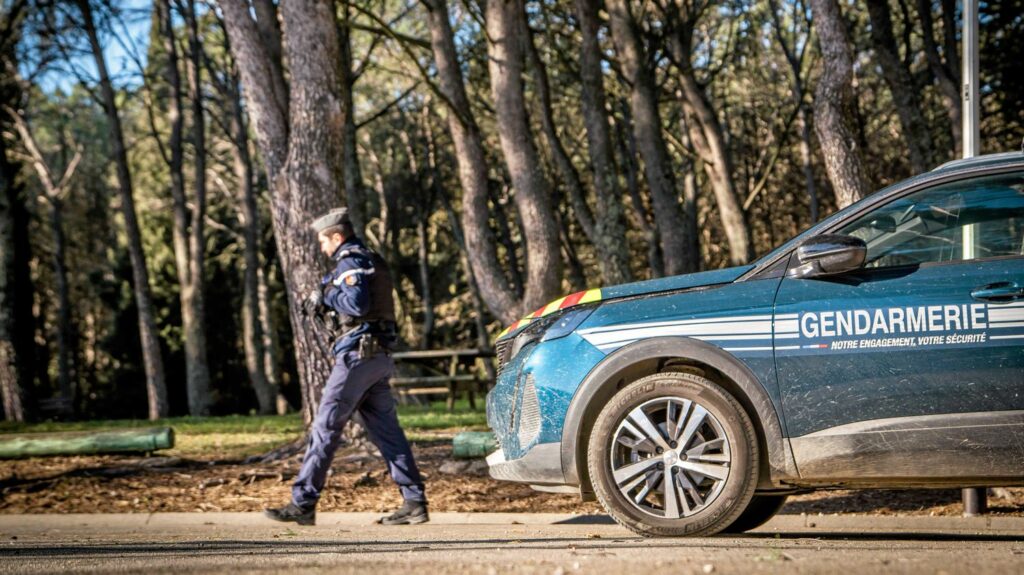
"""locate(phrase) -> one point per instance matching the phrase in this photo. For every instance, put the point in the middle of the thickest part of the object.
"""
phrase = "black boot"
(292, 512)
(411, 513)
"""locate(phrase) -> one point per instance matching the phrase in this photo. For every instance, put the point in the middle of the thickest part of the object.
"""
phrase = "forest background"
(160, 162)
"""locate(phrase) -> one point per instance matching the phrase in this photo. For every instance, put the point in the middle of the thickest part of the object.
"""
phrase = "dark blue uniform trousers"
(357, 385)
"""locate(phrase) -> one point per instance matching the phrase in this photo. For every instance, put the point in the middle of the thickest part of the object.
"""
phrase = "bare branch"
(387, 107)
(406, 47)
(53, 190)
(28, 140)
(69, 171)
(383, 29)
(760, 185)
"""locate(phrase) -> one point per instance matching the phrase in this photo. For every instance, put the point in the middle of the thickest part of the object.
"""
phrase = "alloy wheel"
(670, 457)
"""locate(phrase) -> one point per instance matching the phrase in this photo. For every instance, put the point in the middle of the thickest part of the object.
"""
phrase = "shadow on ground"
(302, 547)
(909, 501)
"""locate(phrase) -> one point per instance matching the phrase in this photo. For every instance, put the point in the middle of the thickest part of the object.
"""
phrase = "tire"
(715, 436)
(758, 512)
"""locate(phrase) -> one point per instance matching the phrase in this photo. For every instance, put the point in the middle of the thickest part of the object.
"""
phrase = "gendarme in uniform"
(355, 298)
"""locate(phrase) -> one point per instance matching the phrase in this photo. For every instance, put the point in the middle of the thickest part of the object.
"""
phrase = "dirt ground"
(359, 482)
(520, 543)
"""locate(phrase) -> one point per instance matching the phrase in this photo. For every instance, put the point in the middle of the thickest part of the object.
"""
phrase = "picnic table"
(470, 370)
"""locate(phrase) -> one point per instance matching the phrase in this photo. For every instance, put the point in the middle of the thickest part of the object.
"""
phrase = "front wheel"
(673, 454)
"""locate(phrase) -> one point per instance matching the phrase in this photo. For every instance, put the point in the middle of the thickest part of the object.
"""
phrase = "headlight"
(568, 322)
(551, 327)
(531, 333)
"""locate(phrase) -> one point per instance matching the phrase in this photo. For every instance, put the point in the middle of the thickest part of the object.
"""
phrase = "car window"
(979, 218)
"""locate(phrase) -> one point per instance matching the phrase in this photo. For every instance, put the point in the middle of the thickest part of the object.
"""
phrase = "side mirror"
(828, 254)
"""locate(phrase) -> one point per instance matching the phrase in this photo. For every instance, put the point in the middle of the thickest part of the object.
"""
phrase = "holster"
(335, 325)
(369, 346)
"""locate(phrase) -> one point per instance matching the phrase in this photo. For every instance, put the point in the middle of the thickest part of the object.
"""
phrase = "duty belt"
(376, 328)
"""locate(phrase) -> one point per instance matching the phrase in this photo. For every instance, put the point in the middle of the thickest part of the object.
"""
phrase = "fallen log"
(86, 442)
(473, 444)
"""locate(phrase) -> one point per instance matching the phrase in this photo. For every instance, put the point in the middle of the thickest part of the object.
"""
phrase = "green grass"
(436, 416)
(186, 425)
(242, 435)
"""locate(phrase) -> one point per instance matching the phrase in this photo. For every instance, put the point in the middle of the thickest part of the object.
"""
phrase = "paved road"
(499, 543)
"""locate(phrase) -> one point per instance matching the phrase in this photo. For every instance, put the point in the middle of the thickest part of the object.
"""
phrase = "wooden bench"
(455, 372)
(55, 406)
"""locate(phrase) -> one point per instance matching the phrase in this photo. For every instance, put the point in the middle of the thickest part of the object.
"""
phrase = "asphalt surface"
(500, 543)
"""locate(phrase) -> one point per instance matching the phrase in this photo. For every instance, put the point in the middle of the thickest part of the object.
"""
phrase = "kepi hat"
(331, 219)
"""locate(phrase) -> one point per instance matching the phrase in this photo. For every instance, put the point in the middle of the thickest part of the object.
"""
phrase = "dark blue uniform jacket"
(346, 290)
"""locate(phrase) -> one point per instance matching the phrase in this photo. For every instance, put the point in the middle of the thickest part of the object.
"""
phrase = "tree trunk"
(626, 145)
(504, 231)
(383, 234)
(422, 254)
(807, 164)
(302, 153)
(708, 138)
(248, 217)
(425, 195)
(834, 106)
(65, 328)
(313, 172)
(691, 190)
(795, 54)
(254, 336)
(472, 167)
(268, 28)
(563, 164)
(194, 305)
(942, 72)
(271, 344)
(54, 190)
(647, 130)
(574, 273)
(905, 96)
(609, 212)
(189, 282)
(16, 320)
(353, 174)
(156, 388)
(483, 340)
(949, 38)
(13, 385)
(11, 390)
(254, 56)
(709, 141)
(532, 191)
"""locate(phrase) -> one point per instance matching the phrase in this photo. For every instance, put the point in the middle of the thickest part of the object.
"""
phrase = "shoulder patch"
(351, 277)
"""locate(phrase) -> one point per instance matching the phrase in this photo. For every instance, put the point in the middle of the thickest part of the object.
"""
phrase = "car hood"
(675, 283)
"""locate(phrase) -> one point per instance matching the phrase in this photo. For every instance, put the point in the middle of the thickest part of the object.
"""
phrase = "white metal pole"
(969, 74)
(974, 499)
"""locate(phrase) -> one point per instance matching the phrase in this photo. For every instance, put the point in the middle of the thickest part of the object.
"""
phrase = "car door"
(913, 366)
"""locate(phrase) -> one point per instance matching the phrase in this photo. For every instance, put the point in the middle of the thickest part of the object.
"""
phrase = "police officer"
(355, 301)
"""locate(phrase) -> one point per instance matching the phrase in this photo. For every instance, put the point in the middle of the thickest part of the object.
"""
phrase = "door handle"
(999, 292)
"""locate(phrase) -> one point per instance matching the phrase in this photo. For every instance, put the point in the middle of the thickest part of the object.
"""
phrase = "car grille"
(502, 349)
(529, 414)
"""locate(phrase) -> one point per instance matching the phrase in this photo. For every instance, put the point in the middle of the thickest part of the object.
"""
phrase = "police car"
(883, 347)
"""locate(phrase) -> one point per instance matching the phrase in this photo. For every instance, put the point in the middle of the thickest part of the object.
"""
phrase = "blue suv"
(883, 347)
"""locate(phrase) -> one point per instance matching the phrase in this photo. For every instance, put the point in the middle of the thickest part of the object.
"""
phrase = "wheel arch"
(664, 354)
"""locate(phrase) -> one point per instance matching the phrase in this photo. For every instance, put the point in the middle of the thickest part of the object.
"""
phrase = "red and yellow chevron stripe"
(568, 301)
